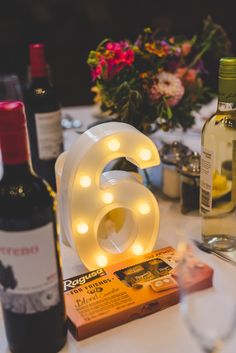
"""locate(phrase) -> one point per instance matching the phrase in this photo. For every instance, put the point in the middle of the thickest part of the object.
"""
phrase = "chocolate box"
(99, 300)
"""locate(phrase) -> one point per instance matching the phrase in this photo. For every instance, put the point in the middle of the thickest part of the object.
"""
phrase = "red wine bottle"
(43, 117)
(30, 274)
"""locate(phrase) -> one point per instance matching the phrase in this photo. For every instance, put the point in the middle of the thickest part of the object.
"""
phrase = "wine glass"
(10, 88)
(68, 122)
(207, 296)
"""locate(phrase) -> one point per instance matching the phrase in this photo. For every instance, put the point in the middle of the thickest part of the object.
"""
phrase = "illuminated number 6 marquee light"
(107, 217)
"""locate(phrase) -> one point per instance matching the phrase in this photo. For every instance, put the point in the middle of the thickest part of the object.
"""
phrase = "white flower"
(167, 85)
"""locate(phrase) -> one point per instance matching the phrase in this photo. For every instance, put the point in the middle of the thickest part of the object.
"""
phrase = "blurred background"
(70, 28)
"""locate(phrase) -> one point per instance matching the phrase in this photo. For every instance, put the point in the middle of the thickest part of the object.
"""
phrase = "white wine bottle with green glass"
(218, 165)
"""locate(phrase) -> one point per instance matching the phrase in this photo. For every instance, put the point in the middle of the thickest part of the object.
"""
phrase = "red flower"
(116, 56)
(96, 72)
(129, 56)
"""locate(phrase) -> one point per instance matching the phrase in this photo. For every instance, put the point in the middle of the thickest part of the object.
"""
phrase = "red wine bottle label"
(28, 270)
(49, 134)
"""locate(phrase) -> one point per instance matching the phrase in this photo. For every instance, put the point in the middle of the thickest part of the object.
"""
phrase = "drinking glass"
(68, 122)
(10, 88)
(208, 308)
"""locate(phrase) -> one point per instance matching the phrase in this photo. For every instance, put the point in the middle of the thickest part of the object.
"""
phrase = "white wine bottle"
(218, 165)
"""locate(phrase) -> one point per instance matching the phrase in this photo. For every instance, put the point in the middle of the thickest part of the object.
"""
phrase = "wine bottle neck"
(41, 82)
(14, 141)
(20, 170)
(15, 147)
(227, 94)
(38, 65)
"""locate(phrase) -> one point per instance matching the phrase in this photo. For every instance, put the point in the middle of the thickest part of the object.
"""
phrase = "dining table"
(164, 331)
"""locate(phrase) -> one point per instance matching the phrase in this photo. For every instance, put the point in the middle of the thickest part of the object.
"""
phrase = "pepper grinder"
(171, 154)
(189, 169)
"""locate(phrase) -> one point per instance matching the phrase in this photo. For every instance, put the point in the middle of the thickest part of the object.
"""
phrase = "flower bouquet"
(158, 80)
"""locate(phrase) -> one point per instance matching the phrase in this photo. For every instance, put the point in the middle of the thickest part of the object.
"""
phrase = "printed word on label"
(107, 217)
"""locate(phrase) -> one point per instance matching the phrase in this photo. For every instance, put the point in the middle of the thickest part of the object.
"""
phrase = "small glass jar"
(170, 155)
(189, 170)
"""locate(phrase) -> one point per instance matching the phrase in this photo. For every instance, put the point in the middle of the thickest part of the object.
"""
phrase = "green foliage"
(158, 79)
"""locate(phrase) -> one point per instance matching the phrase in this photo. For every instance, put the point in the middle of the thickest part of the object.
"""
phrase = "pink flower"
(102, 61)
(129, 56)
(166, 85)
(116, 46)
(113, 59)
(154, 94)
(96, 73)
(177, 51)
(118, 57)
(111, 46)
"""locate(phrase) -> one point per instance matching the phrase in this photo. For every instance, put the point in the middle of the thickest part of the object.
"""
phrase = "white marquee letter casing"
(86, 194)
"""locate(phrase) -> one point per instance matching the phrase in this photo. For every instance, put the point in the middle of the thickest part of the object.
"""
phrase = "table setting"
(168, 320)
(133, 228)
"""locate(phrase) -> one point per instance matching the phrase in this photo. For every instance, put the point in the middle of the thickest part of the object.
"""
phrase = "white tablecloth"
(164, 331)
